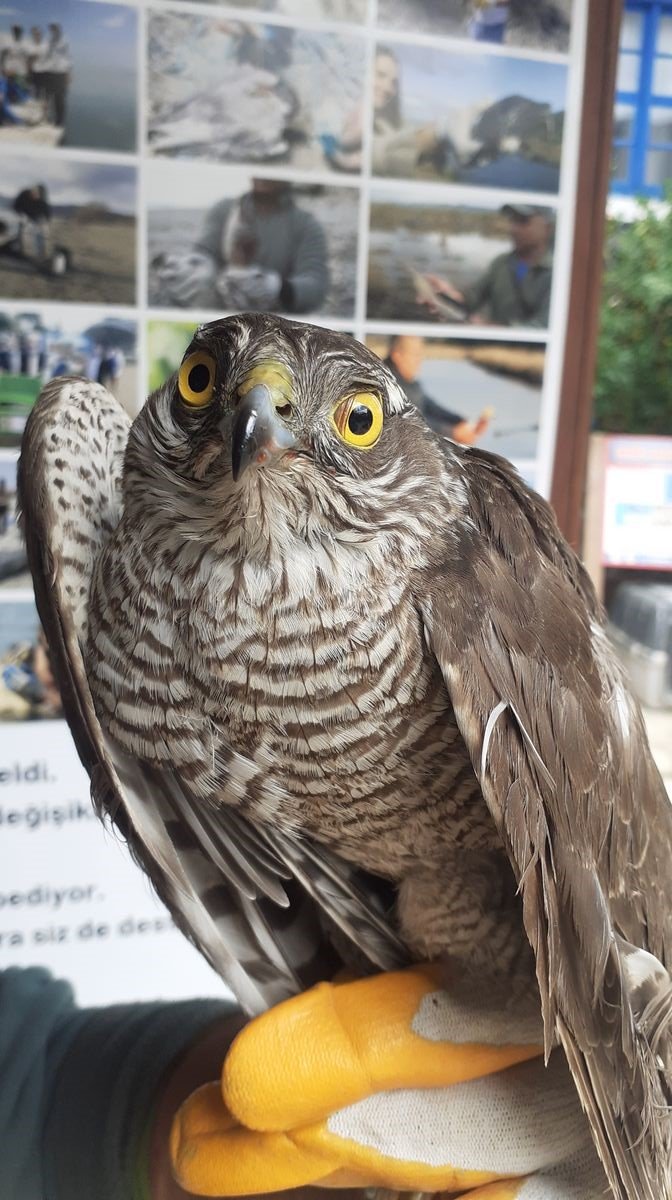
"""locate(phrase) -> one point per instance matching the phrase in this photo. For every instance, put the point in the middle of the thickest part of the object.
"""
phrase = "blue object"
(482, 32)
(10, 93)
(23, 682)
(330, 144)
(642, 56)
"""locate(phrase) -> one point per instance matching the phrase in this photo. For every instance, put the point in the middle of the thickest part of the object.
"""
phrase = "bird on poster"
(348, 693)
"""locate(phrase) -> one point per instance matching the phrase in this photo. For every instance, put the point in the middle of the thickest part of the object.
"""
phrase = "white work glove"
(390, 1082)
(241, 288)
(184, 277)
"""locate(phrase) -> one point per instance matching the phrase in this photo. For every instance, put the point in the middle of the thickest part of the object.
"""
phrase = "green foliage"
(167, 342)
(633, 386)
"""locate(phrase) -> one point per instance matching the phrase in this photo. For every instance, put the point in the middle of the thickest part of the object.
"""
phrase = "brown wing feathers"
(590, 847)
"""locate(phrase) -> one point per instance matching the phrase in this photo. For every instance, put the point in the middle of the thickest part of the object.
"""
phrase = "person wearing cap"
(516, 287)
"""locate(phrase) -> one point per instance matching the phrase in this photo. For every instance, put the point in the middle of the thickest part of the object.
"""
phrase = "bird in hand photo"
(348, 694)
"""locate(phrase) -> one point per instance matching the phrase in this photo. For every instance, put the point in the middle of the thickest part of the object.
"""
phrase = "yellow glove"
(390, 1082)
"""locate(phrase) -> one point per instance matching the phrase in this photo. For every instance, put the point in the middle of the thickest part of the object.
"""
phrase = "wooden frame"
(576, 393)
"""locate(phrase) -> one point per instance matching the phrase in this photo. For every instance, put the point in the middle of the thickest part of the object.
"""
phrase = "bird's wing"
(562, 757)
(254, 903)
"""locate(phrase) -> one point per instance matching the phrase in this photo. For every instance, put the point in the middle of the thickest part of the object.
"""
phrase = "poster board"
(637, 503)
(413, 143)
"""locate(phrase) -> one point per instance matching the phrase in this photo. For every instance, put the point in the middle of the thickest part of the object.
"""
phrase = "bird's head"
(272, 430)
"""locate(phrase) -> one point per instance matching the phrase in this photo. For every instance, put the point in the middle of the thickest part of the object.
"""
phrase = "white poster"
(71, 899)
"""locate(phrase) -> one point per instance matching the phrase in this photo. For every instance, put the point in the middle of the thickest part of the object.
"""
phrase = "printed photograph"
(536, 24)
(220, 240)
(56, 87)
(457, 263)
(234, 92)
(67, 231)
(479, 119)
(354, 11)
(27, 688)
(477, 392)
(37, 345)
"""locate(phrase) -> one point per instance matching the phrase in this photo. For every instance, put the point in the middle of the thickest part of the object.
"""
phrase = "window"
(642, 158)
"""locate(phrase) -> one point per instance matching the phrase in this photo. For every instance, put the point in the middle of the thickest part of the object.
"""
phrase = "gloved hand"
(395, 1083)
(252, 287)
(184, 278)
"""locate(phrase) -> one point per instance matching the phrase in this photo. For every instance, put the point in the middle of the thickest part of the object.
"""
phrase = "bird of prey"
(343, 685)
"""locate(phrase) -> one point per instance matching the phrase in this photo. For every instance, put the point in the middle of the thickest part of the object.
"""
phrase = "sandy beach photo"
(67, 230)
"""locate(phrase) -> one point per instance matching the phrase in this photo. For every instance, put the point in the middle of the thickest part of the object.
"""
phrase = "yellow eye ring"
(196, 379)
(358, 419)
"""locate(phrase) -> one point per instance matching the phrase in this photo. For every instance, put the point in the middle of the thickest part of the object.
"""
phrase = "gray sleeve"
(477, 295)
(308, 278)
(210, 239)
(539, 320)
(78, 1086)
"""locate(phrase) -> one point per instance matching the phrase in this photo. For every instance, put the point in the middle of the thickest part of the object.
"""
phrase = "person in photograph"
(94, 363)
(14, 57)
(4, 507)
(260, 251)
(29, 351)
(8, 349)
(57, 69)
(489, 20)
(404, 359)
(34, 211)
(112, 364)
(37, 59)
(516, 287)
(14, 76)
(397, 146)
(346, 154)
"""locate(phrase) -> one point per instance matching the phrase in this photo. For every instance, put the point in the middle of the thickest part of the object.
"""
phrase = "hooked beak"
(259, 434)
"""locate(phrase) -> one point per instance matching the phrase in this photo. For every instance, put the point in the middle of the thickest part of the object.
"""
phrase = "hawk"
(347, 691)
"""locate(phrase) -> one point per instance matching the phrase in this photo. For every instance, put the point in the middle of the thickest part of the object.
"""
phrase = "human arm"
(211, 235)
(189, 278)
(79, 1087)
(445, 288)
(540, 315)
(19, 203)
(307, 282)
(467, 433)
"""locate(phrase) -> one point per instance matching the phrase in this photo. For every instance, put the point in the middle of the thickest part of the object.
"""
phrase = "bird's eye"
(358, 419)
(196, 379)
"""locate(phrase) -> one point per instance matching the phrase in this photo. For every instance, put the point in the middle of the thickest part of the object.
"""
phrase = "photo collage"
(391, 168)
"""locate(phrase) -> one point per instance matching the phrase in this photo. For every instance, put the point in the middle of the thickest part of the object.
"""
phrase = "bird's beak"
(259, 434)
